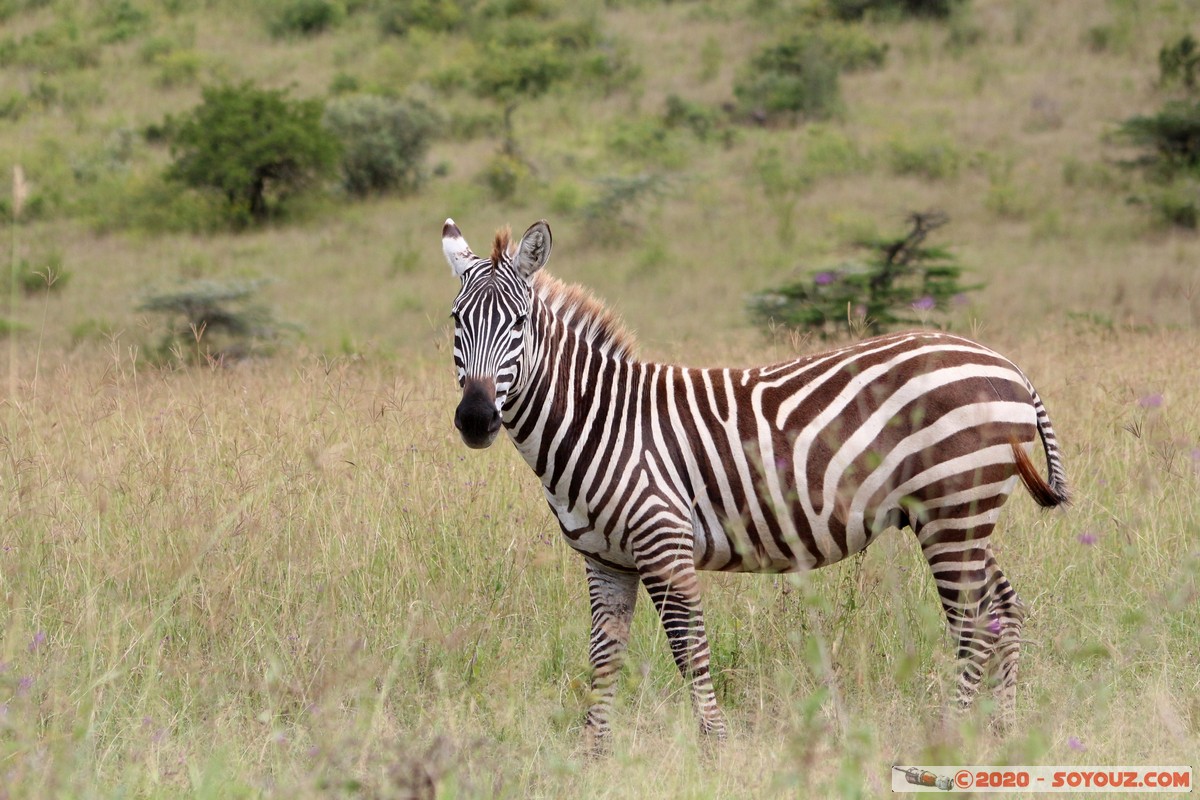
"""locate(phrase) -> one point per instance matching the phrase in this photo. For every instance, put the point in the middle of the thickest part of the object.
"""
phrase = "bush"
(900, 285)
(607, 221)
(306, 17)
(384, 142)
(253, 146)
(210, 321)
(504, 176)
(397, 17)
(1179, 62)
(796, 77)
(58, 47)
(121, 20)
(43, 274)
(699, 119)
(1171, 137)
(934, 157)
(179, 68)
(852, 10)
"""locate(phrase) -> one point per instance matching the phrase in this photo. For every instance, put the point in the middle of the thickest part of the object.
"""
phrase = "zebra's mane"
(578, 309)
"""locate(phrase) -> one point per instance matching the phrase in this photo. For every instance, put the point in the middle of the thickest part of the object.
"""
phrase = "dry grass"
(288, 578)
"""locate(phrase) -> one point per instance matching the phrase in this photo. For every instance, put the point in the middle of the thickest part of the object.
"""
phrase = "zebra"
(655, 471)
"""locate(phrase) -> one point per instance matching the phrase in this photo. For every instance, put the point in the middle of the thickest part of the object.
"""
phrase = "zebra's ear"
(457, 251)
(534, 249)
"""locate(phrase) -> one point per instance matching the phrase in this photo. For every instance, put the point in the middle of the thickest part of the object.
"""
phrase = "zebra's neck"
(575, 356)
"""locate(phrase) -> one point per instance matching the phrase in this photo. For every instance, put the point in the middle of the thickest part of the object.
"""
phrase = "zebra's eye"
(520, 320)
(454, 316)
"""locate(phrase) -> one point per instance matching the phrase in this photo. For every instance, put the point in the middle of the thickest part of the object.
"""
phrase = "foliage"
(210, 320)
(795, 78)
(44, 274)
(121, 20)
(900, 284)
(1180, 62)
(606, 217)
(58, 47)
(852, 10)
(504, 175)
(798, 76)
(701, 120)
(398, 17)
(383, 141)
(1171, 137)
(253, 146)
(934, 157)
(306, 17)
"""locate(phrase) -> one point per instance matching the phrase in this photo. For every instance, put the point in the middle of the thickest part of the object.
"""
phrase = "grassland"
(287, 577)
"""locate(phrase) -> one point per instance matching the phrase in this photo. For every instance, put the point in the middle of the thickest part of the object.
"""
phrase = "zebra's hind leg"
(613, 596)
(670, 580)
(1006, 617)
(982, 610)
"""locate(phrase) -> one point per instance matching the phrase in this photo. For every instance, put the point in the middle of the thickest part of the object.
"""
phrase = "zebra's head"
(489, 323)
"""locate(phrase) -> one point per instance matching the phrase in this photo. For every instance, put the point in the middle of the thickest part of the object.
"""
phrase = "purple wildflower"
(926, 303)
(1196, 455)
(1087, 538)
(36, 642)
(1151, 400)
(25, 685)
(781, 463)
(993, 626)
(824, 278)
(1074, 743)
(960, 299)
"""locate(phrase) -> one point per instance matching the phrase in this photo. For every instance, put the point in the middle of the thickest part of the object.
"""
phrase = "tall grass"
(292, 579)
(288, 577)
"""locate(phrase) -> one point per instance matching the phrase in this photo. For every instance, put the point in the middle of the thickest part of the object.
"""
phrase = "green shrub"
(179, 68)
(901, 284)
(384, 142)
(344, 83)
(851, 48)
(37, 275)
(121, 20)
(797, 77)
(12, 104)
(1171, 138)
(504, 175)
(9, 328)
(213, 322)
(1179, 62)
(1176, 204)
(397, 17)
(852, 10)
(58, 47)
(699, 119)
(607, 217)
(306, 17)
(254, 147)
(932, 157)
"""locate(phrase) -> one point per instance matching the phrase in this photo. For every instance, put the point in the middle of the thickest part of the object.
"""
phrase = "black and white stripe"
(655, 471)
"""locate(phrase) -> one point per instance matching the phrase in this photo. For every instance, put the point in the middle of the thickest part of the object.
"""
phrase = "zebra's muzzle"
(477, 418)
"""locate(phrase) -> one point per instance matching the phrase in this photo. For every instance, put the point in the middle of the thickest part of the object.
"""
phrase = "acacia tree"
(250, 144)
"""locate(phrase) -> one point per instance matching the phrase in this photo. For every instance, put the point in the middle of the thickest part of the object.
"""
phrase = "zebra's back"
(800, 464)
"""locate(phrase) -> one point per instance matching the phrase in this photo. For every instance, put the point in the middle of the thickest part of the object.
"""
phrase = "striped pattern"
(655, 471)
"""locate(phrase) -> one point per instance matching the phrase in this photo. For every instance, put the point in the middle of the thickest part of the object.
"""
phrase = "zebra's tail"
(1051, 491)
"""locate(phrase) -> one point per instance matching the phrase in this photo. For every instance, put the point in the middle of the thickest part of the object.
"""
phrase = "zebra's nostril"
(494, 422)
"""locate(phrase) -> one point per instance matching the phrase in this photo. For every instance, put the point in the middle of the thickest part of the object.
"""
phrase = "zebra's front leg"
(671, 582)
(612, 595)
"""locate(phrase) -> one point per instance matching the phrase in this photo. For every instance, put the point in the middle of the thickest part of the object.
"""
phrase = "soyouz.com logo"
(1175, 779)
